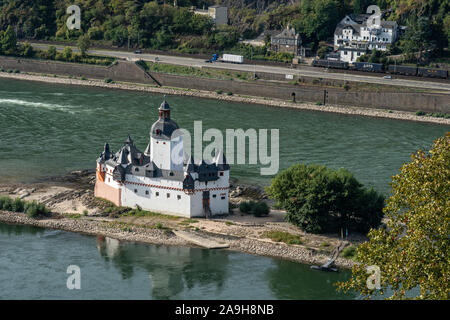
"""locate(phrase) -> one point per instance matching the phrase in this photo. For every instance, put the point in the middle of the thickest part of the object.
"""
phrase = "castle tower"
(166, 144)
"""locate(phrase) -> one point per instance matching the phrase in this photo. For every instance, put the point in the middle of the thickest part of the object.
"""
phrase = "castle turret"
(166, 147)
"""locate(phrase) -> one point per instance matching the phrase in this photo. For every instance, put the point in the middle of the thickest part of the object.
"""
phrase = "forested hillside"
(160, 25)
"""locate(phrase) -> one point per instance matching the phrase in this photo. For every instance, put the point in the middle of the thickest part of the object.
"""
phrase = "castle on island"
(162, 178)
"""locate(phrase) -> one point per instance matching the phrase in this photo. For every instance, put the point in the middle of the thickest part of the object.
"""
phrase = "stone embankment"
(350, 110)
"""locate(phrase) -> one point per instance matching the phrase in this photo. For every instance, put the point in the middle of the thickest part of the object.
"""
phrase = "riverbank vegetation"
(285, 237)
(413, 251)
(10, 47)
(318, 199)
(32, 209)
(257, 208)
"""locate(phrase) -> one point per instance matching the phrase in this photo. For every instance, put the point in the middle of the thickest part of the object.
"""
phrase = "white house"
(355, 35)
(218, 13)
(161, 179)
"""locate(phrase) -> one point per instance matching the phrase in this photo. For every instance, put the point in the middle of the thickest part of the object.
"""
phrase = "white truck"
(232, 58)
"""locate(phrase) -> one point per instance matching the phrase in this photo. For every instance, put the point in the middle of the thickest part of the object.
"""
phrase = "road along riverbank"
(350, 110)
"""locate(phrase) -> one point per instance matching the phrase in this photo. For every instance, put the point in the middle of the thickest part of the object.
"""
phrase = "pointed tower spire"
(129, 140)
(190, 165)
(164, 110)
(220, 160)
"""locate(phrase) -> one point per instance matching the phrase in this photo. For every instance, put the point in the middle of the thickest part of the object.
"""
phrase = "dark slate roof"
(106, 154)
(360, 20)
(164, 105)
(220, 161)
(163, 129)
(288, 33)
(190, 165)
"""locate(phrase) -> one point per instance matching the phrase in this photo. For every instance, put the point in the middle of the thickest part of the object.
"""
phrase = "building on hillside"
(218, 13)
(288, 41)
(162, 178)
(354, 36)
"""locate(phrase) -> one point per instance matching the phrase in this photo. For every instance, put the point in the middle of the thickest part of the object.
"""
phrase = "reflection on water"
(170, 269)
(34, 261)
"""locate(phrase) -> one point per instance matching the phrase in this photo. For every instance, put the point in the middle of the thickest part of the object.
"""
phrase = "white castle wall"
(134, 192)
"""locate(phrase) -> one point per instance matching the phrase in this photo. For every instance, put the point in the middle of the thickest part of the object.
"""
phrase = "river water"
(34, 262)
(48, 129)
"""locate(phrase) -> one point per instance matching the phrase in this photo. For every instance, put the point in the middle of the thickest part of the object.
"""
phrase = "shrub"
(6, 203)
(229, 93)
(258, 209)
(17, 205)
(246, 206)
(219, 91)
(349, 252)
(420, 113)
(318, 199)
(108, 80)
(34, 209)
(261, 209)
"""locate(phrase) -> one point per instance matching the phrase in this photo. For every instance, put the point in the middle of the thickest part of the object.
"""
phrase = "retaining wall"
(129, 71)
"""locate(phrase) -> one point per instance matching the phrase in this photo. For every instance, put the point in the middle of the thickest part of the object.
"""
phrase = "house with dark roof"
(356, 35)
(287, 40)
(163, 178)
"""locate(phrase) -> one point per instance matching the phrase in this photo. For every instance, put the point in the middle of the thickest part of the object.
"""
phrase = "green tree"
(413, 251)
(83, 44)
(418, 41)
(318, 19)
(51, 52)
(318, 199)
(27, 50)
(323, 50)
(67, 53)
(8, 41)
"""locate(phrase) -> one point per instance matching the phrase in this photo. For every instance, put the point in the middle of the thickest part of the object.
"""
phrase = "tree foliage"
(83, 44)
(413, 251)
(163, 26)
(318, 199)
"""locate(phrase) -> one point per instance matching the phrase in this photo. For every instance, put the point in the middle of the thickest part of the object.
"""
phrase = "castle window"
(135, 190)
(221, 174)
(157, 194)
(222, 197)
(179, 197)
(168, 195)
(214, 195)
(136, 169)
(146, 192)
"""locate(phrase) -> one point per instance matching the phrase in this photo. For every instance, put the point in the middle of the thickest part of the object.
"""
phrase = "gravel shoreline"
(350, 110)
(105, 227)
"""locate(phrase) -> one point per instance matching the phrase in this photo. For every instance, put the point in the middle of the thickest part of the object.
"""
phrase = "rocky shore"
(74, 208)
(350, 110)
(106, 227)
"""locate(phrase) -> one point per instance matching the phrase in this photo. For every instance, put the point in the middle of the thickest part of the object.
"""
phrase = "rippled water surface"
(48, 129)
